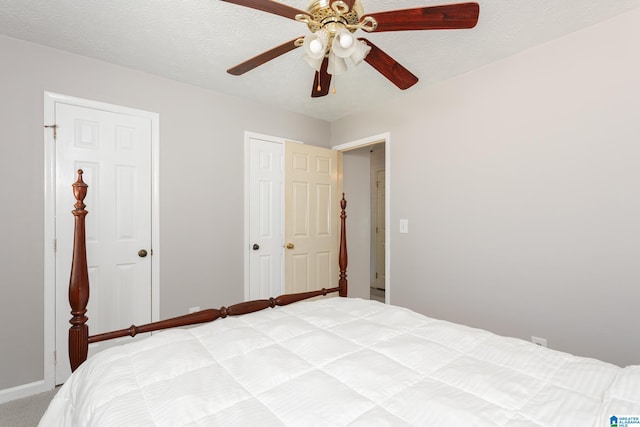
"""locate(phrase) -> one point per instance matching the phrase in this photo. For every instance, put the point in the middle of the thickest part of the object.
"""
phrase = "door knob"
(142, 253)
(256, 246)
(289, 246)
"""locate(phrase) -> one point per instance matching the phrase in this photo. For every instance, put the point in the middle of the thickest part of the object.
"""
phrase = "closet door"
(114, 151)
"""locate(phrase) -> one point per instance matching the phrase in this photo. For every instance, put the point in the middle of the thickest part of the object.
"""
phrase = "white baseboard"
(23, 390)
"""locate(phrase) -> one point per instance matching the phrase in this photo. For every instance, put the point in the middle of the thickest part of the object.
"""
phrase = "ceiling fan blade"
(266, 56)
(321, 81)
(448, 17)
(270, 6)
(389, 67)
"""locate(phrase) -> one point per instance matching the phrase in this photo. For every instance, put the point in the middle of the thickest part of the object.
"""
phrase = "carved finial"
(79, 192)
(343, 202)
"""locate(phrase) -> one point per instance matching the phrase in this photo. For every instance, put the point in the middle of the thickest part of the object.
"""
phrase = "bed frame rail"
(79, 338)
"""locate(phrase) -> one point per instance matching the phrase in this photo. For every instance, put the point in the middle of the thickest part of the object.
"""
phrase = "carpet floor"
(25, 412)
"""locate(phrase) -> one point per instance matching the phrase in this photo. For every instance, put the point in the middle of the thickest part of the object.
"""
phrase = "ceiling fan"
(330, 43)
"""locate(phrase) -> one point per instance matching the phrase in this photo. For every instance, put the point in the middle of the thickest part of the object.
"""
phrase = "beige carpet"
(25, 412)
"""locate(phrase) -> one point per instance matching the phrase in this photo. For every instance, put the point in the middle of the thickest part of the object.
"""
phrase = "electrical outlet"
(193, 309)
(542, 342)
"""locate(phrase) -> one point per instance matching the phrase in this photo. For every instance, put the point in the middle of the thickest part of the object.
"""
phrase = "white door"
(114, 151)
(311, 217)
(266, 262)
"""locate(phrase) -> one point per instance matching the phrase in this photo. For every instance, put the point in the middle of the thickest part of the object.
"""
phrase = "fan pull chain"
(319, 86)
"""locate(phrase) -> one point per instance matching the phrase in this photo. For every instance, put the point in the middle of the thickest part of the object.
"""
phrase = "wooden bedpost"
(79, 281)
(342, 256)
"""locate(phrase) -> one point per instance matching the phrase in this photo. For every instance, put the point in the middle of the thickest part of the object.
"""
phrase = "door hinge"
(376, 275)
(55, 245)
(55, 130)
(55, 357)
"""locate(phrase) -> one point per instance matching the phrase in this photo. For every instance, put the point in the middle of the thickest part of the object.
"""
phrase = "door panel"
(311, 217)
(265, 222)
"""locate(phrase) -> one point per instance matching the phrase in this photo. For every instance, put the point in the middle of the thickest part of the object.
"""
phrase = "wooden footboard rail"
(79, 338)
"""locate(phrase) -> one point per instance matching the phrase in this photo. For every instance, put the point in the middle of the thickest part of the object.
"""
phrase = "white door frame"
(50, 99)
(375, 139)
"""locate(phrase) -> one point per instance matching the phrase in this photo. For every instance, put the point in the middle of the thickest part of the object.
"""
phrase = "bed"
(338, 361)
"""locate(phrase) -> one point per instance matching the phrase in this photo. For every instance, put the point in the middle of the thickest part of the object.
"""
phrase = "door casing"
(371, 140)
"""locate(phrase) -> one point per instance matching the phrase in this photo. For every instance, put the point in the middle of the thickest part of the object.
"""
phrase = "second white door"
(265, 219)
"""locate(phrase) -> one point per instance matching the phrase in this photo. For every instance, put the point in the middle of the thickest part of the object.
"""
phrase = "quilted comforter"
(341, 362)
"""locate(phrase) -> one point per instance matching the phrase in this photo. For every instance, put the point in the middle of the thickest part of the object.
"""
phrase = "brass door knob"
(142, 253)
(289, 246)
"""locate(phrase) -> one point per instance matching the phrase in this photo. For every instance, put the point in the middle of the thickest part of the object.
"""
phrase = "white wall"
(521, 183)
(201, 186)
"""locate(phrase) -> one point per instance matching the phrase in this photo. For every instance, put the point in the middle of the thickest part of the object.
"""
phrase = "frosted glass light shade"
(314, 63)
(315, 45)
(336, 65)
(342, 44)
(360, 51)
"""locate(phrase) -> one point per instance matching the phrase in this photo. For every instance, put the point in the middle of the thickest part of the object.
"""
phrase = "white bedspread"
(341, 362)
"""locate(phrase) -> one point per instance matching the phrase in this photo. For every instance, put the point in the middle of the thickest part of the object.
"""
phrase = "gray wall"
(201, 186)
(521, 183)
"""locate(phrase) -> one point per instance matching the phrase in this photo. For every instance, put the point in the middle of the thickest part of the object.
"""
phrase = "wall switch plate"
(404, 226)
(542, 342)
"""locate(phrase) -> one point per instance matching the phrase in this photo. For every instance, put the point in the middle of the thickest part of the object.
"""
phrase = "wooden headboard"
(79, 338)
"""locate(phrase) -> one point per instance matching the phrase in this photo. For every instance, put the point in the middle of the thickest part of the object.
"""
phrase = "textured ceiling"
(196, 41)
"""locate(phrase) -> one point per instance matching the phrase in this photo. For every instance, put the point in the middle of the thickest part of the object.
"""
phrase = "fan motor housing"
(322, 13)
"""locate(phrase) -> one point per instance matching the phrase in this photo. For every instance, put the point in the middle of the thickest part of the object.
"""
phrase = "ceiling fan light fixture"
(346, 39)
(342, 44)
(315, 45)
(332, 24)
